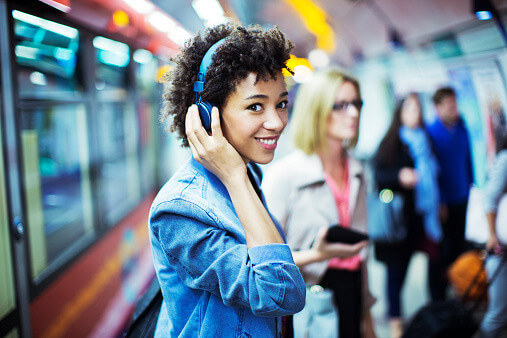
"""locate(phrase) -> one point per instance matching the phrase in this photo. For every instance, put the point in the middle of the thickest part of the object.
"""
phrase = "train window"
(46, 54)
(146, 114)
(146, 72)
(8, 296)
(112, 61)
(57, 182)
(119, 176)
(147, 110)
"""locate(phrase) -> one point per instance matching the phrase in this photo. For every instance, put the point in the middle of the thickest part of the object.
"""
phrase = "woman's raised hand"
(408, 177)
(326, 250)
(213, 151)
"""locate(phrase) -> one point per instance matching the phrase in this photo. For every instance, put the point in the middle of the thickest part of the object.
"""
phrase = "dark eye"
(283, 104)
(340, 106)
(255, 107)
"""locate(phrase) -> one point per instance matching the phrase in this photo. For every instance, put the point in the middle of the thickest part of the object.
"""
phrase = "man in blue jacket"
(452, 148)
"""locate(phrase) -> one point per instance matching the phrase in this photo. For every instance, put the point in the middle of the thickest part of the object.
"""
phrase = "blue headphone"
(204, 106)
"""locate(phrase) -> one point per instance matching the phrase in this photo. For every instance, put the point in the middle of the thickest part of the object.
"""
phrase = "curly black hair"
(245, 50)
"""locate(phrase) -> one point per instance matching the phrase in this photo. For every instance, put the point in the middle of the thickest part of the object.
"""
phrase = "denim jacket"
(212, 284)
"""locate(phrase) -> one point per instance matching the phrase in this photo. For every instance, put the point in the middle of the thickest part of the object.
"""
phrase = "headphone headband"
(205, 63)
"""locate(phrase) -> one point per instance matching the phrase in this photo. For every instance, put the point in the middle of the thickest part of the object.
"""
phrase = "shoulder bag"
(319, 317)
(386, 221)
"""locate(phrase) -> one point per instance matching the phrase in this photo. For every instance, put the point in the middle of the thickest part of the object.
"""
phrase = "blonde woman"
(320, 185)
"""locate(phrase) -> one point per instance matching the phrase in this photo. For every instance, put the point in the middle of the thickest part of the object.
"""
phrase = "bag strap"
(152, 295)
(488, 283)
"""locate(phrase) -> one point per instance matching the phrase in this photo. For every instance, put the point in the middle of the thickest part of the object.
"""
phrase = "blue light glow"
(483, 15)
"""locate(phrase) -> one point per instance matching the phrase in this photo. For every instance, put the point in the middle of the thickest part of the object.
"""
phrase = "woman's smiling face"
(254, 116)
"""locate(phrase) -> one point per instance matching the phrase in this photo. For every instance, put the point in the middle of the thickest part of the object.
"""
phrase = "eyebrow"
(262, 96)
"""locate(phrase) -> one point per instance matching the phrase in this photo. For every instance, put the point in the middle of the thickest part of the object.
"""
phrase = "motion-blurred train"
(83, 153)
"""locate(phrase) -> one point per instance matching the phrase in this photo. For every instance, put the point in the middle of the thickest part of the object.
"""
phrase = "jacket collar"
(312, 172)
(210, 177)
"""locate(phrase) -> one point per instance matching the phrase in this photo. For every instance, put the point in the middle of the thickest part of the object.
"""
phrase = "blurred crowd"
(422, 176)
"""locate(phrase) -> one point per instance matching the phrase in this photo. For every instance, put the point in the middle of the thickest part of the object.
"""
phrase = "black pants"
(396, 273)
(452, 245)
(347, 289)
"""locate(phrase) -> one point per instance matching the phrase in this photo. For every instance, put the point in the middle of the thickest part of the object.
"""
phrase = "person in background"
(320, 185)
(404, 163)
(496, 188)
(452, 148)
(221, 260)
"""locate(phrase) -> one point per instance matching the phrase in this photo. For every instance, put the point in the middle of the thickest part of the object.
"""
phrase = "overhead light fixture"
(483, 9)
(166, 24)
(302, 73)
(120, 19)
(318, 58)
(140, 6)
(210, 11)
(316, 21)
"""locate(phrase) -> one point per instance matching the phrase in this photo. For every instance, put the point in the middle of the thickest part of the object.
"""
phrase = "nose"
(275, 120)
(352, 110)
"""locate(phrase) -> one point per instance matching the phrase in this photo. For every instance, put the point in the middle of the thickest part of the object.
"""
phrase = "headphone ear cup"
(205, 113)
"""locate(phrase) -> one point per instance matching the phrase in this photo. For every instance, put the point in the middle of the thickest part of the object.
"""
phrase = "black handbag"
(146, 311)
(386, 220)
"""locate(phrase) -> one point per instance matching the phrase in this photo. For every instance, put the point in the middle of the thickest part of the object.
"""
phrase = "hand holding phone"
(340, 234)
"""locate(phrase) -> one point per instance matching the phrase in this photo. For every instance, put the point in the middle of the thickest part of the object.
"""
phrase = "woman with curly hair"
(220, 258)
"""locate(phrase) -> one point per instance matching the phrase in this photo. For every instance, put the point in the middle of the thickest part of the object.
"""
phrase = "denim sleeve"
(207, 257)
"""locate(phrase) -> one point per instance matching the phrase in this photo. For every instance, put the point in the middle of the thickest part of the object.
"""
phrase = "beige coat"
(297, 196)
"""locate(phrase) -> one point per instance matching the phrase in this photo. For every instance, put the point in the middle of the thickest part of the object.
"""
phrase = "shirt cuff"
(271, 253)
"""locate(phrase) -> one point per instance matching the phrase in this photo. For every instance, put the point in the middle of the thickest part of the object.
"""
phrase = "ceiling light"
(179, 35)
(318, 58)
(210, 11)
(140, 6)
(161, 21)
(483, 15)
(483, 9)
(302, 73)
(316, 21)
(120, 18)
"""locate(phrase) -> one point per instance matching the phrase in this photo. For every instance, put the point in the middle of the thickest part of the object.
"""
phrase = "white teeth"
(269, 142)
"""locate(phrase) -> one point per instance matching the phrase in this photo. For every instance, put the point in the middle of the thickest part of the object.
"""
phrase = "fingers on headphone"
(191, 128)
(189, 118)
(216, 130)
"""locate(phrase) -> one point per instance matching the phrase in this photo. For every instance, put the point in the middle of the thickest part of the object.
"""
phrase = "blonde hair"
(314, 102)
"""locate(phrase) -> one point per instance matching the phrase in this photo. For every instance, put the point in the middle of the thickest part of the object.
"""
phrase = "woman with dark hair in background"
(405, 164)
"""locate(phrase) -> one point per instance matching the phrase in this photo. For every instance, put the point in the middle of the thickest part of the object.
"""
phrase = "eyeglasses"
(342, 106)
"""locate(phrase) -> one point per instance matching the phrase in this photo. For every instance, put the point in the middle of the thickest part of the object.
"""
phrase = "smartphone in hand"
(338, 233)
